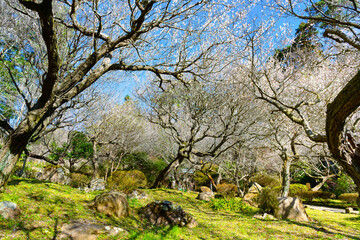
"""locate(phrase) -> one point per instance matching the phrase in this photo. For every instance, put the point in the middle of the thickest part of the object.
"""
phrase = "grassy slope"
(46, 206)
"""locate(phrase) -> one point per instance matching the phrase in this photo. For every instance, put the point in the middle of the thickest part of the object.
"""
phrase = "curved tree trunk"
(344, 148)
(170, 167)
(323, 181)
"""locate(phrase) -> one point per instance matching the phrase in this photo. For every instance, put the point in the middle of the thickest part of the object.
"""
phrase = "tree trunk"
(9, 156)
(285, 175)
(323, 181)
(170, 167)
(94, 161)
(344, 148)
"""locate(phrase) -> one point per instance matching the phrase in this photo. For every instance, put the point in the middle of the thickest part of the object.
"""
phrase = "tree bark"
(344, 148)
(285, 175)
(170, 167)
(323, 181)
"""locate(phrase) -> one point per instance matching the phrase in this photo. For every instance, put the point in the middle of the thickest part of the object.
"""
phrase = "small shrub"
(266, 180)
(79, 180)
(349, 197)
(296, 190)
(227, 189)
(267, 200)
(310, 195)
(127, 181)
(344, 184)
(230, 205)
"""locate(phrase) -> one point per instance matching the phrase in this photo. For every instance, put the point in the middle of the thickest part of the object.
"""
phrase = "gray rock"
(165, 213)
(85, 229)
(291, 208)
(97, 184)
(111, 203)
(54, 174)
(349, 210)
(138, 195)
(9, 210)
(206, 196)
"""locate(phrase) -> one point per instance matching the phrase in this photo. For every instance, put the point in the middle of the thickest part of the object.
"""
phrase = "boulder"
(250, 198)
(85, 229)
(264, 216)
(138, 195)
(55, 174)
(349, 210)
(9, 210)
(206, 196)
(165, 213)
(255, 188)
(97, 184)
(291, 208)
(112, 204)
(205, 189)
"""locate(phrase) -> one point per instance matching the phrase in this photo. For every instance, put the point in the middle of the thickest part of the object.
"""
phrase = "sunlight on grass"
(46, 206)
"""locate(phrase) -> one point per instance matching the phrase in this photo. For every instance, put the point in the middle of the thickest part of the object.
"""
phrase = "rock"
(206, 196)
(349, 210)
(255, 188)
(97, 184)
(264, 216)
(205, 189)
(55, 174)
(9, 210)
(291, 208)
(250, 199)
(138, 195)
(111, 203)
(165, 213)
(85, 229)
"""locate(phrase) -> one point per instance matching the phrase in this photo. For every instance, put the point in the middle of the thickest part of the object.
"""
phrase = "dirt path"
(329, 209)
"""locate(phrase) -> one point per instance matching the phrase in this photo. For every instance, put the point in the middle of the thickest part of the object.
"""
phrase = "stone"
(55, 174)
(255, 188)
(264, 216)
(291, 208)
(89, 230)
(97, 184)
(206, 196)
(164, 213)
(349, 210)
(205, 189)
(9, 210)
(138, 195)
(112, 204)
(250, 199)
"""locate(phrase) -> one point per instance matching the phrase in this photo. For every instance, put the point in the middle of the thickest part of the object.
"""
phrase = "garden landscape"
(179, 119)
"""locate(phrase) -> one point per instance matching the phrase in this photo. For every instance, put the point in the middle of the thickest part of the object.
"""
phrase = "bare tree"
(203, 119)
(340, 22)
(78, 42)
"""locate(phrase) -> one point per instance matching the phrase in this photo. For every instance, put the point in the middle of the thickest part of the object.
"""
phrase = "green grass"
(46, 206)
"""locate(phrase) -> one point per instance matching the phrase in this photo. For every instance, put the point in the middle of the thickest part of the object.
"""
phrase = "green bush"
(230, 205)
(349, 197)
(266, 180)
(149, 165)
(202, 179)
(227, 189)
(79, 180)
(344, 184)
(296, 190)
(267, 200)
(310, 195)
(127, 181)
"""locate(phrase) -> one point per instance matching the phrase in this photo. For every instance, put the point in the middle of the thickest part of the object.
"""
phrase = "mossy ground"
(46, 206)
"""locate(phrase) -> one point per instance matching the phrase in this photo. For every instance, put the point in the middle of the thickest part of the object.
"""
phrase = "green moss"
(47, 205)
